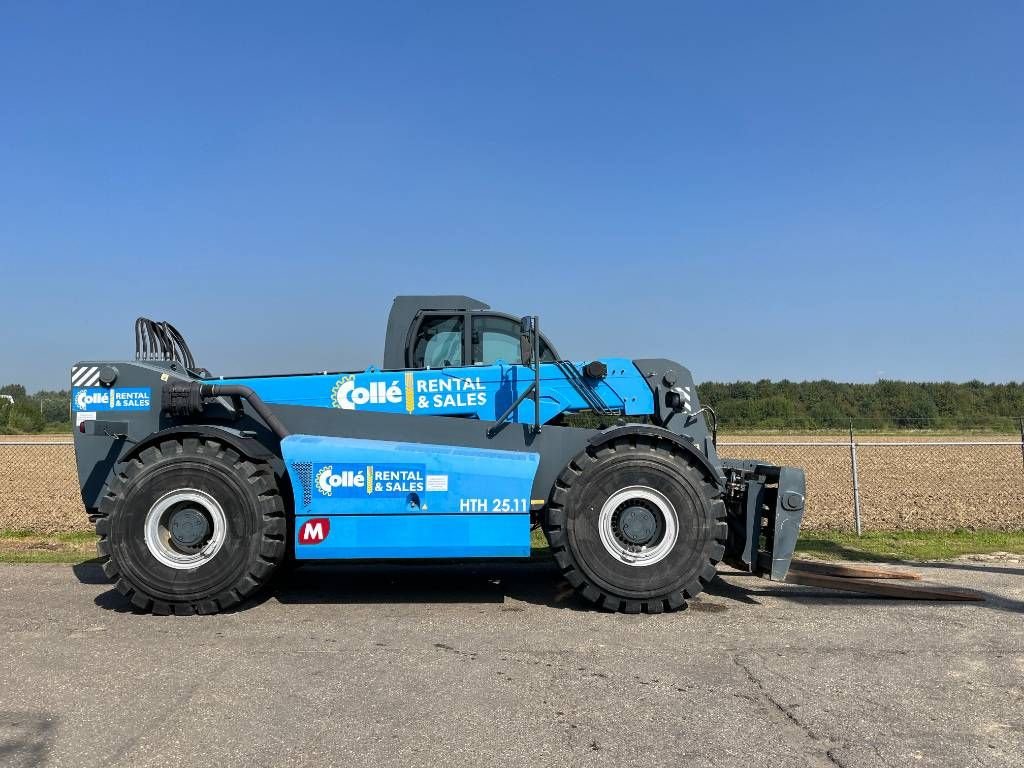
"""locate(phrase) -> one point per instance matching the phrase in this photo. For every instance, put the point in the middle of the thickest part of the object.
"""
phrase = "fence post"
(856, 480)
(1022, 446)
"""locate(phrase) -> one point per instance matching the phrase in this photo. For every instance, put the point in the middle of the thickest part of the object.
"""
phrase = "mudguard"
(687, 445)
(244, 443)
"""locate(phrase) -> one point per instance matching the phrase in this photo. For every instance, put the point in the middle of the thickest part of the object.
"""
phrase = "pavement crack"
(152, 729)
(812, 744)
(767, 695)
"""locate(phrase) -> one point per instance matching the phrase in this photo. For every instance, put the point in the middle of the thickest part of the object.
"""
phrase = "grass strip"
(72, 548)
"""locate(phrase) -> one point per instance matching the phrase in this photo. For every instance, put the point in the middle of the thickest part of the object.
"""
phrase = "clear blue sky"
(759, 190)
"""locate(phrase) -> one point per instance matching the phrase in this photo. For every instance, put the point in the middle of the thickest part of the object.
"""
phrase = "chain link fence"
(901, 483)
(39, 489)
(894, 483)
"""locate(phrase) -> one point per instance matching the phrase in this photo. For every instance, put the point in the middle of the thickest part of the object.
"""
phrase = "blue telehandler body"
(472, 433)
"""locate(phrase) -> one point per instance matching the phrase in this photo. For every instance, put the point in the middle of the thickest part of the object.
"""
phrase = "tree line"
(43, 411)
(741, 405)
(885, 404)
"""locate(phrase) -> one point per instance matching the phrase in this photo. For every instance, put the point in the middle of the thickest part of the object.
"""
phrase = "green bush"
(23, 418)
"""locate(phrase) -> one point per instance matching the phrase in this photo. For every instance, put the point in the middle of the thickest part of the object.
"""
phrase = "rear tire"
(635, 526)
(191, 526)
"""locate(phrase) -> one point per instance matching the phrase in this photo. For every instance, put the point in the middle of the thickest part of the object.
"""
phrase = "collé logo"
(348, 395)
(327, 479)
(86, 399)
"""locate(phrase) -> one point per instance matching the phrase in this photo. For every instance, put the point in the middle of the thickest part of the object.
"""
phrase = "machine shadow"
(26, 738)
(90, 572)
(534, 581)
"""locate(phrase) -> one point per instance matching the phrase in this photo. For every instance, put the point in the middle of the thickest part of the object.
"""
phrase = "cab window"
(438, 342)
(497, 338)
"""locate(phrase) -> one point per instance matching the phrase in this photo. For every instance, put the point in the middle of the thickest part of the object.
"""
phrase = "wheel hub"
(637, 524)
(185, 528)
(188, 527)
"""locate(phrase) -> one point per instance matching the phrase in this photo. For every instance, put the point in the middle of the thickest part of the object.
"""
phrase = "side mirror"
(526, 331)
(526, 349)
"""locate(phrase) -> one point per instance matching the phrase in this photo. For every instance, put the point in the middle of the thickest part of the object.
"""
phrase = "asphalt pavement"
(499, 665)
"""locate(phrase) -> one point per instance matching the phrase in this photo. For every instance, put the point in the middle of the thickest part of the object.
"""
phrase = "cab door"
(438, 340)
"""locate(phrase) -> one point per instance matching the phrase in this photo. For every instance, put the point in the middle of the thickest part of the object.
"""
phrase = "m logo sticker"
(315, 530)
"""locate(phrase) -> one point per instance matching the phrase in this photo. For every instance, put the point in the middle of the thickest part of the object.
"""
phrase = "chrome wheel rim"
(625, 525)
(185, 528)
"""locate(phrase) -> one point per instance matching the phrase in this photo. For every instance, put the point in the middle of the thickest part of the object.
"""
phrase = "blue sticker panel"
(89, 399)
(377, 498)
(350, 476)
(480, 391)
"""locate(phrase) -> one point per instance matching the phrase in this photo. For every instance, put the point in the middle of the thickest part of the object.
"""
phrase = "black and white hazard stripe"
(687, 405)
(85, 376)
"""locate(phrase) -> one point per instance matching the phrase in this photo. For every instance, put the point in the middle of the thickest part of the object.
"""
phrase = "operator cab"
(453, 331)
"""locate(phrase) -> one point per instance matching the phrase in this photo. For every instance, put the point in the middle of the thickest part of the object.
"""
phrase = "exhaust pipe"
(187, 398)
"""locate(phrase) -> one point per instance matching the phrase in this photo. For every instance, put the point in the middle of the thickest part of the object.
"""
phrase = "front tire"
(635, 526)
(190, 525)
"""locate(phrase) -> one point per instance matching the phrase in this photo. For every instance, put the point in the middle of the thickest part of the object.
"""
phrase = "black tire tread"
(257, 474)
(554, 522)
